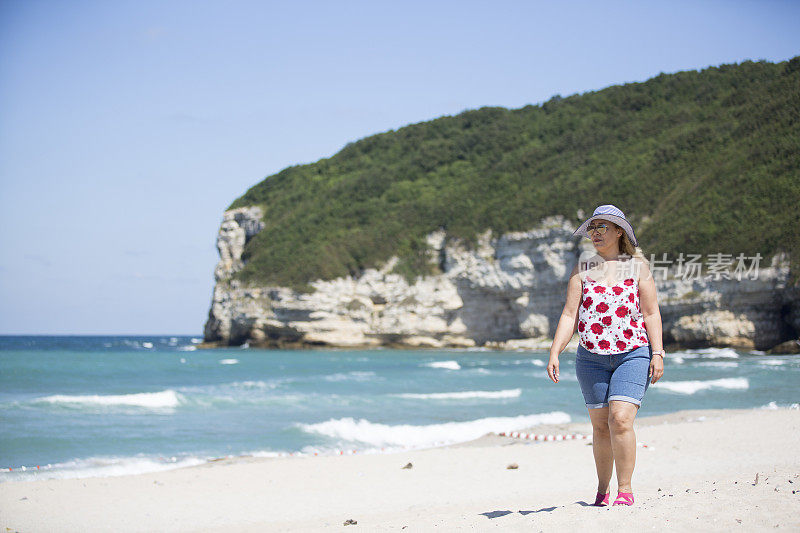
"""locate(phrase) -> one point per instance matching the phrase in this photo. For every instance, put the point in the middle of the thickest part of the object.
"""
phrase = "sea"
(79, 406)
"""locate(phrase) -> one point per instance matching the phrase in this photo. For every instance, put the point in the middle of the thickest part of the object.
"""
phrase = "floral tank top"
(609, 318)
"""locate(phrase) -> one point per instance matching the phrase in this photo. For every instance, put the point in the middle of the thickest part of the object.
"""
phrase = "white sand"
(694, 475)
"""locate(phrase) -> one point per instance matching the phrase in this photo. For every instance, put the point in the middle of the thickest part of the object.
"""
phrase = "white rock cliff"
(507, 293)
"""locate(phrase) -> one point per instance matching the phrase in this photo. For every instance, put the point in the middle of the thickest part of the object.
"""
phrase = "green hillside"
(701, 162)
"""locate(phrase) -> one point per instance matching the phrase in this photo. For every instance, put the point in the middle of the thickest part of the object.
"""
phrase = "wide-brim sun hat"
(613, 214)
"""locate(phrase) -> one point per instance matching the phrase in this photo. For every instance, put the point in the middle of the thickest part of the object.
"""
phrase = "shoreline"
(575, 430)
(790, 347)
(690, 467)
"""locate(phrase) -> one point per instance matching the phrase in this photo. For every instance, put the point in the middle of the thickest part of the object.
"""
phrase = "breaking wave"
(376, 434)
(691, 387)
(509, 393)
(168, 399)
(447, 365)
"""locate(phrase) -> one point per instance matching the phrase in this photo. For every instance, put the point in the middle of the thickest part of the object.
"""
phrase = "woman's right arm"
(567, 324)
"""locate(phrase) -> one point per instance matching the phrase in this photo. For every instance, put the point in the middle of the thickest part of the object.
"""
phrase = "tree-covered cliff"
(701, 162)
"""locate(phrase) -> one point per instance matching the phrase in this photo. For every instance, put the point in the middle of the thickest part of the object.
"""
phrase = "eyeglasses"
(599, 228)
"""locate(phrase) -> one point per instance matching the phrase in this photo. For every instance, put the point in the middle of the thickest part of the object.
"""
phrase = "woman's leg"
(623, 440)
(601, 447)
(625, 394)
(594, 374)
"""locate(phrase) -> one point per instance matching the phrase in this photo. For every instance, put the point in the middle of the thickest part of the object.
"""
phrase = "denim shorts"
(622, 376)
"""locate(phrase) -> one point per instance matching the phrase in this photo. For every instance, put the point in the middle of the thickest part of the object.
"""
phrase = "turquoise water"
(78, 406)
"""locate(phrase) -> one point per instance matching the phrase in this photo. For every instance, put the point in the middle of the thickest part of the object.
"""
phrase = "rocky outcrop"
(507, 293)
(238, 226)
(747, 313)
(228, 316)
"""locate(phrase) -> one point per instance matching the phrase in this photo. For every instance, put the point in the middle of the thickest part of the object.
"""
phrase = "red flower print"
(599, 289)
(597, 328)
(587, 302)
(622, 311)
(602, 307)
(621, 346)
(634, 324)
(606, 320)
(589, 344)
(617, 290)
(628, 333)
(630, 297)
(643, 339)
(581, 326)
(604, 345)
(629, 282)
(585, 291)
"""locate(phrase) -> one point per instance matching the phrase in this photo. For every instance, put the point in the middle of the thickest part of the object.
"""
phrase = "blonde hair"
(626, 246)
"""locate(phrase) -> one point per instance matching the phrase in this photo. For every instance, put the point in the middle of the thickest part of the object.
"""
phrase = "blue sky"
(127, 127)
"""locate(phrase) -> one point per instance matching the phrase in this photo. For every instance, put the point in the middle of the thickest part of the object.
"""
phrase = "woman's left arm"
(648, 299)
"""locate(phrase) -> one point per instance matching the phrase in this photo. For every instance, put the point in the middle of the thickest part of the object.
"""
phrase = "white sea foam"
(716, 353)
(168, 399)
(538, 362)
(147, 344)
(351, 376)
(187, 348)
(773, 406)
(509, 393)
(229, 361)
(99, 467)
(706, 353)
(690, 387)
(448, 365)
(264, 385)
(718, 364)
(196, 340)
(772, 362)
(516, 362)
(364, 431)
(268, 453)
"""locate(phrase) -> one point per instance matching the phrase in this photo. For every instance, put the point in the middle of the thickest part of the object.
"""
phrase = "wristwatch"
(662, 353)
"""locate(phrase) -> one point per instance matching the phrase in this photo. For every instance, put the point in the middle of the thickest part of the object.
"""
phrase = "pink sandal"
(601, 500)
(624, 498)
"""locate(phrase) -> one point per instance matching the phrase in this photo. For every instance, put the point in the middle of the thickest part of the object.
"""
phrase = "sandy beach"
(696, 470)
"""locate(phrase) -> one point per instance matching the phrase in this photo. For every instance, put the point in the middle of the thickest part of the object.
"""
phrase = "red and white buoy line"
(24, 468)
(568, 436)
(532, 436)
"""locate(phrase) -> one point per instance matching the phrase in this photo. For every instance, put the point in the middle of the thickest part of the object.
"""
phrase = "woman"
(612, 302)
